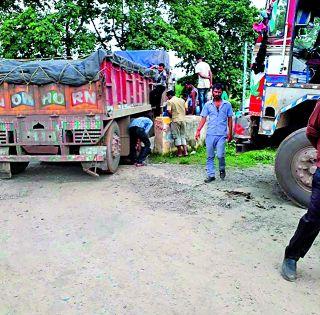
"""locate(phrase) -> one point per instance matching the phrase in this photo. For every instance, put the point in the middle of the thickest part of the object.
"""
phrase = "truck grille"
(86, 136)
(3, 137)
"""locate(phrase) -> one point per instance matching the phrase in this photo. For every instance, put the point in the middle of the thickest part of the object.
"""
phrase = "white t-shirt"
(204, 68)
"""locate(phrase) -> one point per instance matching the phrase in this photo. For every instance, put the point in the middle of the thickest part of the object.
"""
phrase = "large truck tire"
(113, 142)
(295, 166)
(18, 167)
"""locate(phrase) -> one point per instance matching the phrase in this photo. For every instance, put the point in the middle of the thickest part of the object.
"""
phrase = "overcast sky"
(259, 3)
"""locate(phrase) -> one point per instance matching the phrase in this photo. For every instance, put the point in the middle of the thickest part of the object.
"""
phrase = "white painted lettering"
(46, 99)
(16, 99)
(90, 97)
(77, 98)
(27, 99)
(58, 98)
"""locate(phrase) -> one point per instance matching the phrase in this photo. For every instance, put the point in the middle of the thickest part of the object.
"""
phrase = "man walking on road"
(138, 131)
(176, 108)
(219, 113)
(204, 73)
(309, 225)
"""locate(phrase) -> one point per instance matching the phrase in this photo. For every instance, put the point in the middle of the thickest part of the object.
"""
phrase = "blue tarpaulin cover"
(146, 58)
(77, 72)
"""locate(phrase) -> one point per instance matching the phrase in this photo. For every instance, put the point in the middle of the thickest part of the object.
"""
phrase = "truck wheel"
(18, 167)
(113, 143)
(295, 165)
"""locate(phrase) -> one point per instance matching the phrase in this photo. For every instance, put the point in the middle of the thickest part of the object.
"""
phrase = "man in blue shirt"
(219, 113)
(138, 130)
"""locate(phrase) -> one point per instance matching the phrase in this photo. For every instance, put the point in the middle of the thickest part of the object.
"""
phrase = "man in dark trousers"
(309, 225)
(138, 130)
(159, 87)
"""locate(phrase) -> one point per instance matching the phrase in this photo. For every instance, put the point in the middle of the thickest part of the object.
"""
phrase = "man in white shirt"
(204, 73)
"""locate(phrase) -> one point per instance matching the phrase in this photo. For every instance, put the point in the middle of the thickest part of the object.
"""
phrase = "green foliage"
(233, 159)
(179, 90)
(215, 28)
(26, 34)
(46, 32)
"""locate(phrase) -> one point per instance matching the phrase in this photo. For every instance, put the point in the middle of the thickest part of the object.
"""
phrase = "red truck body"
(58, 122)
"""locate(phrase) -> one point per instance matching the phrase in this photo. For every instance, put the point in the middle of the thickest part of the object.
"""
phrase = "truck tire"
(18, 167)
(295, 165)
(113, 143)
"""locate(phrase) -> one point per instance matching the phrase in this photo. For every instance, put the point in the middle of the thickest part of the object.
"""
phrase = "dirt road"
(152, 240)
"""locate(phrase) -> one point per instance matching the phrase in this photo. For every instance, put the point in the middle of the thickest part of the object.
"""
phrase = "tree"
(47, 31)
(215, 28)
(232, 21)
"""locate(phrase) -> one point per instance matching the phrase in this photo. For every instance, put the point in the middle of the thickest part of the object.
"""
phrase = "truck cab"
(284, 89)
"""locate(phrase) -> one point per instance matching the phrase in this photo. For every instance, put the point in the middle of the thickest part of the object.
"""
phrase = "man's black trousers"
(135, 134)
(155, 99)
(309, 225)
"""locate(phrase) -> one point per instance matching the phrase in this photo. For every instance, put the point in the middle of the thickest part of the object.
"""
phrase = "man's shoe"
(289, 269)
(222, 175)
(209, 179)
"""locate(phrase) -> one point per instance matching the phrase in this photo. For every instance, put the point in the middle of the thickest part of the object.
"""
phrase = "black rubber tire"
(112, 162)
(18, 167)
(283, 164)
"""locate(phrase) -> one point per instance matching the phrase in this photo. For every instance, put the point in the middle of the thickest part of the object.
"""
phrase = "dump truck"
(70, 110)
(284, 89)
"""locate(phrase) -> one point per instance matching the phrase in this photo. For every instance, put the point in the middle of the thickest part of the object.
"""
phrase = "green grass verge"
(242, 160)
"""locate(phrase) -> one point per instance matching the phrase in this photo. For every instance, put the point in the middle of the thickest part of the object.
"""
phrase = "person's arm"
(201, 124)
(313, 130)
(230, 129)
(230, 122)
(193, 99)
(202, 75)
(210, 77)
(169, 109)
(148, 125)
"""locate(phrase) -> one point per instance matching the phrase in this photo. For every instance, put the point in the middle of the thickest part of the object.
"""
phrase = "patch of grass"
(242, 160)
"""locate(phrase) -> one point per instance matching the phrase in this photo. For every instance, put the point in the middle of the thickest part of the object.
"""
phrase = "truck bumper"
(52, 158)
(87, 154)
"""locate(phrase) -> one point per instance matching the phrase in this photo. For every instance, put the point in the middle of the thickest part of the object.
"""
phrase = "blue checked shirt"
(142, 122)
(218, 119)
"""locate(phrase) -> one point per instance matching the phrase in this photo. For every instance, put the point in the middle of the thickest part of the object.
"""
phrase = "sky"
(260, 4)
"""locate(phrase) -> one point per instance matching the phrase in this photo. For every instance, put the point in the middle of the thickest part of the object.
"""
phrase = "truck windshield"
(307, 37)
(278, 18)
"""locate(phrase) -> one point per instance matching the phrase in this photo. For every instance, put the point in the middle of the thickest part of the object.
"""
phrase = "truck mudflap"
(98, 156)
(242, 132)
(242, 126)
(5, 170)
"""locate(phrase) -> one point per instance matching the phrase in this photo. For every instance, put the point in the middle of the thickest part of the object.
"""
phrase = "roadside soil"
(149, 240)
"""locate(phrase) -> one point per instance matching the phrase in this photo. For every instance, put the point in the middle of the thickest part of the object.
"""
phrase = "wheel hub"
(303, 167)
(116, 146)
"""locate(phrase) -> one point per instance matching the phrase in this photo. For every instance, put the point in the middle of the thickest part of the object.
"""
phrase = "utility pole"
(244, 81)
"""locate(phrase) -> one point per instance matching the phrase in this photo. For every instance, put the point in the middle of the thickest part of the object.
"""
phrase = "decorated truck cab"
(284, 88)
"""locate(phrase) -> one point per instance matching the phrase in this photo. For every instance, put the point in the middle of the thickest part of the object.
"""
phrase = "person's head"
(189, 86)
(185, 96)
(217, 91)
(161, 67)
(148, 115)
(199, 58)
(170, 94)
